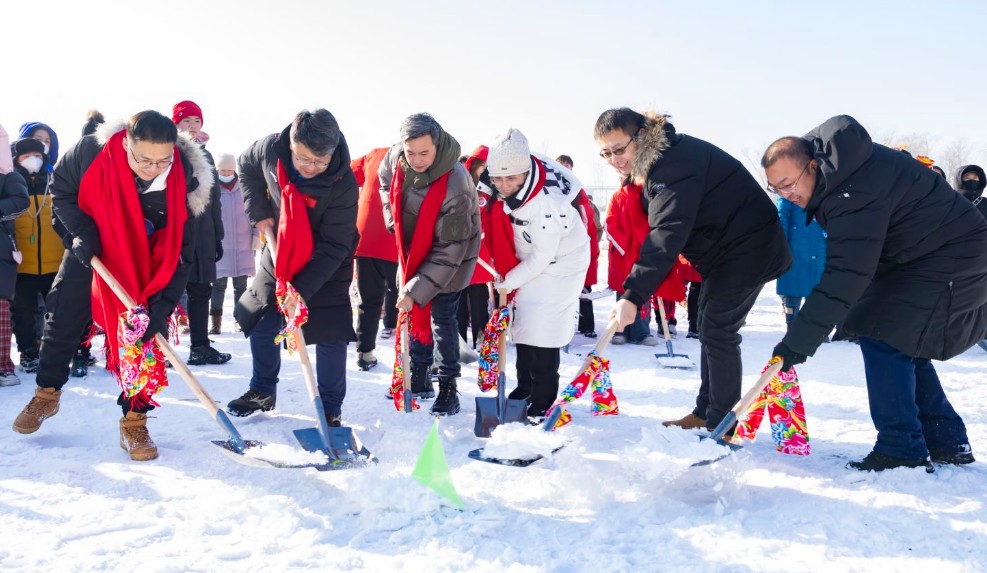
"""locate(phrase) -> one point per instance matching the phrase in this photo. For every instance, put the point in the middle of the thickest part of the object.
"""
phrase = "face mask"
(971, 185)
(46, 148)
(31, 164)
(227, 178)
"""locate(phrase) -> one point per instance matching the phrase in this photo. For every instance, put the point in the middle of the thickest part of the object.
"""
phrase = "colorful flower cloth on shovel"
(597, 375)
(490, 349)
(397, 378)
(282, 291)
(142, 364)
(782, 398)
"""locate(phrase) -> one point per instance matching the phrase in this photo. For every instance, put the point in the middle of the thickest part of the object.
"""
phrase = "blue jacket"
(808, 246)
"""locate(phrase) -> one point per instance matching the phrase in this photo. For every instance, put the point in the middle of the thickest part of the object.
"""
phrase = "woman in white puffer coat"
(540, 247)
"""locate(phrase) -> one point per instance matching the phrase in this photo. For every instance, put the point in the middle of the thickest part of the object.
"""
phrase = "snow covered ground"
(620, 497)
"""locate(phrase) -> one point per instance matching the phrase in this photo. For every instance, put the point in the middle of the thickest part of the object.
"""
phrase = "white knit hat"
(226, 161)
(509, 154)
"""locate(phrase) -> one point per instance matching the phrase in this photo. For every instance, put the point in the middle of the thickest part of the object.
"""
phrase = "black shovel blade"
(259, 462)
(488, 415)
(517, 463)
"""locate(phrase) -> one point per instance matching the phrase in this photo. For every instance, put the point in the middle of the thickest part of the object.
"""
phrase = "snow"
(621, 496)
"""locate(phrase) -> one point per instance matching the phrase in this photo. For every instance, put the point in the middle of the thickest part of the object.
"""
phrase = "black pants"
(473, 311)
(587, 322)
(693, 306)
(445, 339)
(376, 281)
(219, 291)
(721, 314)
(538, 374)
(69, 312)
(199, 296)
(24, 310)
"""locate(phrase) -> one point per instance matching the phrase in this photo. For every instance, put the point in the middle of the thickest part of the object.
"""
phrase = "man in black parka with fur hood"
(704, 204)
(906, 266)
(316, 159)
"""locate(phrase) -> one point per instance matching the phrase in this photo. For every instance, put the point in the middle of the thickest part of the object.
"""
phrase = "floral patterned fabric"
(782, 398)
(397, 378)
(489, 369)
(595, 375)
(142, 364)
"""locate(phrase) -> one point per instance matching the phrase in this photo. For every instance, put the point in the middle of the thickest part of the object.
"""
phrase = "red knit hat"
(480, 153)
(183, 109)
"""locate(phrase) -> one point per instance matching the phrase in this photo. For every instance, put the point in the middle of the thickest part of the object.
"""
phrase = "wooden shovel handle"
(664, 321)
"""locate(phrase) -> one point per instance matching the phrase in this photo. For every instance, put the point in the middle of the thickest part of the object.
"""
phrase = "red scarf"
(295, 243)
(421, 242)
(498, 232)
(142, 265)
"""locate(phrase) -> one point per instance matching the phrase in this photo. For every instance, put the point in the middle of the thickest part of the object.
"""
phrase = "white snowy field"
(621, 497)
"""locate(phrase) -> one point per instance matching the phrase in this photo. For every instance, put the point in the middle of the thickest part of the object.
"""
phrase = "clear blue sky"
(738, 74)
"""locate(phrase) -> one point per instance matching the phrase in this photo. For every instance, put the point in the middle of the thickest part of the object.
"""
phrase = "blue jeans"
(330, 363)
(908, 405)
(445, 335)
(792, 305)
(638, 330)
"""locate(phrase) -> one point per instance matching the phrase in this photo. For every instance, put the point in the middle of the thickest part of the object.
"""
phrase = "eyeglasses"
(148, 163)
(788, 189)
(618, 151)
(306, 162)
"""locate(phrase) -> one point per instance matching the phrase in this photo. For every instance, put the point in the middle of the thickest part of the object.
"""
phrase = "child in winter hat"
(509, 154)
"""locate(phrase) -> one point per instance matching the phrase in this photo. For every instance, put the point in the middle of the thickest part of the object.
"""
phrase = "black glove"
(158, 314)
(788, 356)
(85, 248)
(219, 250)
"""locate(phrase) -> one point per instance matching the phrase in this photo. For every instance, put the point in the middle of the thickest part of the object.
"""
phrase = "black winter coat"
(704, 204)
(976, 197)
(208, 230)
(13, 202)
(73, 221)
(906, 259)
(324, 282)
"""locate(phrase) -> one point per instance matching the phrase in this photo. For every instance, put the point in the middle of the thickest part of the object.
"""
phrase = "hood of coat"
(203, 177)
(840, 146)
(339, 165)
(958, 181)
(657, 135)
(29, 128)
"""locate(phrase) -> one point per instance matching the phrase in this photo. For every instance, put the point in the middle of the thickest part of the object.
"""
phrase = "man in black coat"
(315, 157)
(208, 249)
(704, 204)
(906, 265)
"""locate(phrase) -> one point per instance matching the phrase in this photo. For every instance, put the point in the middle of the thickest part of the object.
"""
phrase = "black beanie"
(26, 145)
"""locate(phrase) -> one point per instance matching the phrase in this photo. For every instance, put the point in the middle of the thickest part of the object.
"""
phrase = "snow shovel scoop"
(492, 412)
(733, 416)
(670, 359)
(235, 446)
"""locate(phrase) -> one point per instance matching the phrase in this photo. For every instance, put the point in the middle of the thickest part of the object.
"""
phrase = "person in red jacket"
(590, 216)
(474, 311)
(625, 227)
(691, 276)
(376, 261)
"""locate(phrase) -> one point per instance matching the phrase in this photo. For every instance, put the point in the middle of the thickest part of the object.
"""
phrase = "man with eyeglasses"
(704, 204)
(298, 185)
(135, 186)
(906, 267)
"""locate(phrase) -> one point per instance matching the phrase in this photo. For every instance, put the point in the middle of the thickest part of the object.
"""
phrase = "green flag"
(432, 471)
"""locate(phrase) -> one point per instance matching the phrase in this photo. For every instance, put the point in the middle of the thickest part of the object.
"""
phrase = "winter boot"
(689, 422)
(962, 454)
(81, 364)
(251, 403)
(29, 361)
(199, 355)
(9, 379)
(878, 462)
(386, 332)
(217, 321)
(421, 382)
(44, 405)
(365, 360)
(135, 438)
(447, 403)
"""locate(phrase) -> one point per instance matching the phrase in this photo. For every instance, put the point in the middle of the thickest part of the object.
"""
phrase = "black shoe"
(878, 462)
(421, 382)
(251, 403)
(334, 420)
(199, 355)
(957, 456)
(365, 360)
(447, 402)
(29, 361)
(589, 334)
(518, 394)
(692, 334)
(80, 366)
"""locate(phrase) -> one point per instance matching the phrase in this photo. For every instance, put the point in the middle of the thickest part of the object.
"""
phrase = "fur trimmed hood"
(652, 142)
(199, 188)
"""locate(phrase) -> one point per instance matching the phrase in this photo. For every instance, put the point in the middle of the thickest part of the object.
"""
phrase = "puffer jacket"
(40, 245)
(808, 245)
(13, 202)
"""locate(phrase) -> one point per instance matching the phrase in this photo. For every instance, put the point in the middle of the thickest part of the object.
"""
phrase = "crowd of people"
(861, 237)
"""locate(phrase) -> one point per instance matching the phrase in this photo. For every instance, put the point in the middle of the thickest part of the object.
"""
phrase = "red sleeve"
(357, 166)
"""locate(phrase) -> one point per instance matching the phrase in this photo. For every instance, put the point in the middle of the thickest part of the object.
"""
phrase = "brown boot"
(217, 321)
(135, 439)
(44, 405)
(689, 422)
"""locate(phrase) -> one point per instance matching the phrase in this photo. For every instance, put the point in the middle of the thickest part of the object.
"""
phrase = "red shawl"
(421, 242)
(295, 242)
(142, 265)
(498, 232)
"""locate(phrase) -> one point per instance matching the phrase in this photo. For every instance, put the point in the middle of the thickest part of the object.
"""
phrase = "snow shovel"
(670, 359)
(235, 445)
(492, 412)
(733, 416)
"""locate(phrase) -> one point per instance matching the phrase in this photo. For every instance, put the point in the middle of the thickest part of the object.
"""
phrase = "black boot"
(447, 403)
(199, 355)
(959, 455)
(421, 382)
(251, 403)
(81, 364)
(878, 462)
